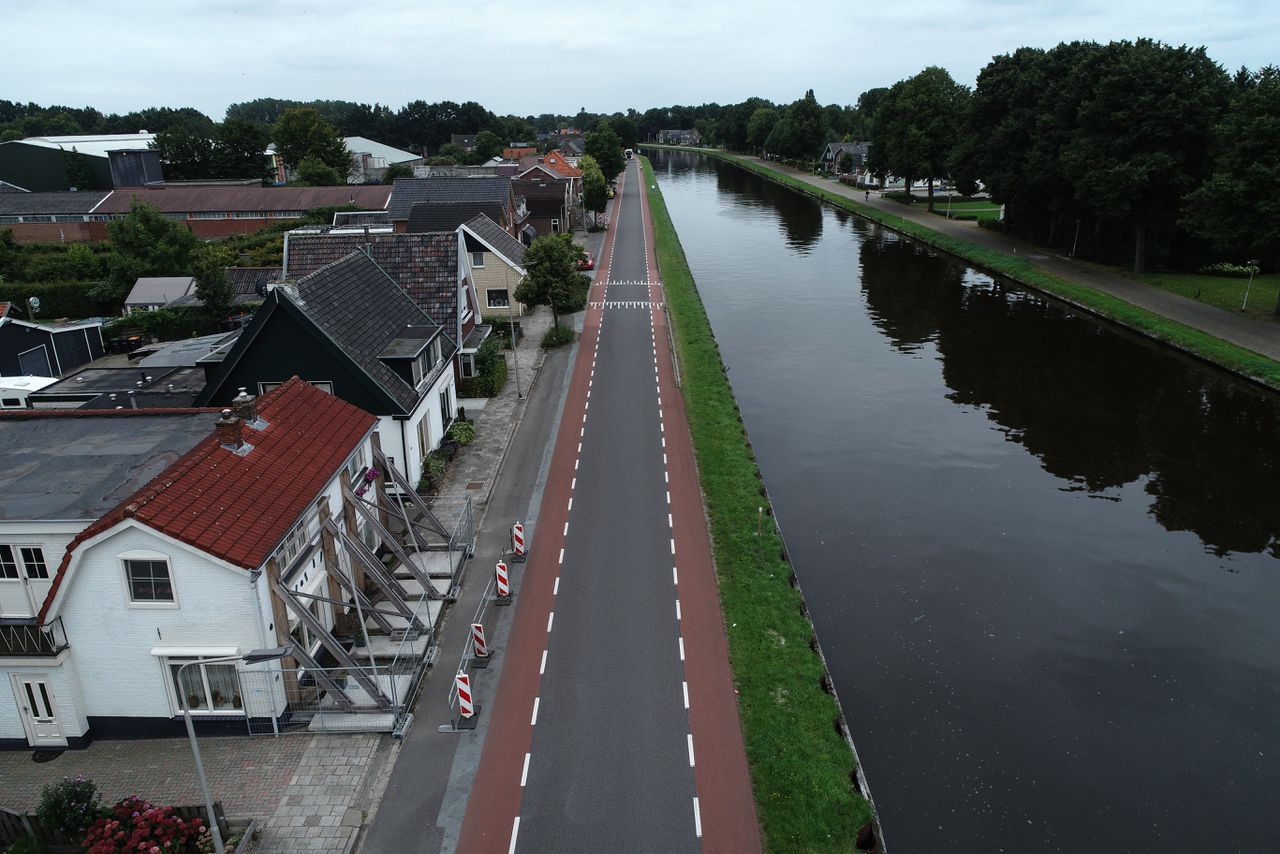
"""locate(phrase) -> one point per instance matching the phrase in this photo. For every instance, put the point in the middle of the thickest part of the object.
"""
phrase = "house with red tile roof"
(222, 533)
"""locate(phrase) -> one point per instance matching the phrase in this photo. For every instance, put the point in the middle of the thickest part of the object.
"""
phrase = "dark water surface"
(1041, 554)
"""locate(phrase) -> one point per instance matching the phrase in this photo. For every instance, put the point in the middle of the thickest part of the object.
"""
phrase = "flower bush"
(69, 807)
(135, 825)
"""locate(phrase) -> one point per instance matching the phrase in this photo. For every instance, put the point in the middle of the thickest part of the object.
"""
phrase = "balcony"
(26, 639)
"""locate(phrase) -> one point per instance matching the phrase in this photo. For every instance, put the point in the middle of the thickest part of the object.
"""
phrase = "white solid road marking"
(690, 750)
(542, 668)
(684, 686)
(524, 775)
(550, 619)
(697, 819)
(534, 720)
(515, 830)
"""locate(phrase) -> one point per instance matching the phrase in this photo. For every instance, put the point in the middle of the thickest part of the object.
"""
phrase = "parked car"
(586, 262)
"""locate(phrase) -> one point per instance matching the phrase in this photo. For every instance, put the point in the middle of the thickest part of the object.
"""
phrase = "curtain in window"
(191, 688)
(223, 685)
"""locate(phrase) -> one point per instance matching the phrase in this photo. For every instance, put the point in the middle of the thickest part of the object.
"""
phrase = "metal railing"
(19, 639)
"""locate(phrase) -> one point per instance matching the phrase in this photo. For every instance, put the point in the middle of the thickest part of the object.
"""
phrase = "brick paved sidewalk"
(307, 793)
(474, 470)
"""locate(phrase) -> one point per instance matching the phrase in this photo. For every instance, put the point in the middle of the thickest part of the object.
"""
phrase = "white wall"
(52, 538)
(394, 445)
(61, 679)
(111, 640)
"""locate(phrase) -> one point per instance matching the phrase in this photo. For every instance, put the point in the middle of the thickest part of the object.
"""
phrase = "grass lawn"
(1023, 271)
(800, 765)
(1222, 291)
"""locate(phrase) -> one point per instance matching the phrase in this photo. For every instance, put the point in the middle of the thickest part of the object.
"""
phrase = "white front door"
(39, 715)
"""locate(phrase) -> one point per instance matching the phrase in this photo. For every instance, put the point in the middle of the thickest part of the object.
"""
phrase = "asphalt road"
(611, 681)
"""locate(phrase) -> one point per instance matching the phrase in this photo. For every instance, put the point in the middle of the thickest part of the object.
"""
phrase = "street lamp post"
(253, 657)
(1253, 268)
(511, 321)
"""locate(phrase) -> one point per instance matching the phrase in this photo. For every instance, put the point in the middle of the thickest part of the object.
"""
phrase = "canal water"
(1040, 553)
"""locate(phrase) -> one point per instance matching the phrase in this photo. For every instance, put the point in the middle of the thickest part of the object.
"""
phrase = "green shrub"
(557, 336)
(25, 845)
(57, 299)
(165, 324)
(462, 432)
(69, 807)
(1234, 271)
(434, 465)
(491, 371)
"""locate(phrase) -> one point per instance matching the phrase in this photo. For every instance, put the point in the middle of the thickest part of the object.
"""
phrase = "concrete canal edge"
(1197, 344)
(810, 790)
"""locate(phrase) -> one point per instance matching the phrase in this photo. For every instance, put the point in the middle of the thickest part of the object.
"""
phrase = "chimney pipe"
(229, 430)
(246, 406)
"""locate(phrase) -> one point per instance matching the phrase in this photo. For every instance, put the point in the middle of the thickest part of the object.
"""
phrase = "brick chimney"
(229, 430)
(246, 406)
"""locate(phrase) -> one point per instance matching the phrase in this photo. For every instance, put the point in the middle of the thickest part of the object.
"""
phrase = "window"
(467, 364)
(426, 362)
(293, 544)
(208, 214)
(555, 226)
(498, 298)
(248, 215)
(33, 562)
(355, 465)
(208, 688)
(32, 558)
(446, 406)
(11, 402)
(149, 581)
(477, 260)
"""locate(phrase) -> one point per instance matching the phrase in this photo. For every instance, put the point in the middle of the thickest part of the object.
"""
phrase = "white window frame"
(153, 557)
(171, 664)
(555, 226)
(505, 299)
(11, 563)
(27, 565)
(467, 365)
(477, 260)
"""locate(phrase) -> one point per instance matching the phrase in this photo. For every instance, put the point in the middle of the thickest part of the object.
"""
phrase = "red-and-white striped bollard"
(503, 584)
(466, 708)
(480, 652)
(517, 541)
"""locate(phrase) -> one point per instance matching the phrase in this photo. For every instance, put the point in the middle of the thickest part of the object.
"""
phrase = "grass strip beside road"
(1239, 360)
(800, 764)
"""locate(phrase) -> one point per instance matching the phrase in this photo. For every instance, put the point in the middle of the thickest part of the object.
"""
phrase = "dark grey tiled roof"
(490, 232)
(424, 265)
(244, 283)
(362, 310)
(406, 192)
(18, 204)
(447, 216)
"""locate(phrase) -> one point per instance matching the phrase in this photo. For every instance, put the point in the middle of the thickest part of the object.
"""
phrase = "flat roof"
(77, 465)
(89, 382)
(184, 353)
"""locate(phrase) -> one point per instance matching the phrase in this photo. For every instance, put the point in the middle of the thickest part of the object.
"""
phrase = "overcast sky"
(533, 57)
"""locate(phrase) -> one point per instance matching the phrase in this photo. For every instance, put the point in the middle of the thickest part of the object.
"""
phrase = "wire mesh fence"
(366, 699)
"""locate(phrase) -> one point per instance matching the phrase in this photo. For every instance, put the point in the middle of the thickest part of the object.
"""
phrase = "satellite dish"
(33, 303)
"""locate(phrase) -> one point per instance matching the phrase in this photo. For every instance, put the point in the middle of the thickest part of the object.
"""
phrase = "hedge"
(57, 299)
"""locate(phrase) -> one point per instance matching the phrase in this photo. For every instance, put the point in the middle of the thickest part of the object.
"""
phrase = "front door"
(39, 715)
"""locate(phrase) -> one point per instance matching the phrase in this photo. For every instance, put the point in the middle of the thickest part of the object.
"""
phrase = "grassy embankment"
(1246, 363)
(800, 764)
(1223, 292)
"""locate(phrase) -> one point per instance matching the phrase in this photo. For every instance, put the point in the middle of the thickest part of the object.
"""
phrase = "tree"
(146, 243)
(553, 279)
(594, 195)
(759, 126)
(915, 126)
(209, 265)
(240, 151)
(76, 169)
(186, 151)
(302, 132)
(801, 132)
(603, 144)
(1238, 208)
(396, 170)
(1143, 130)
(313, 172)
(488, 144)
